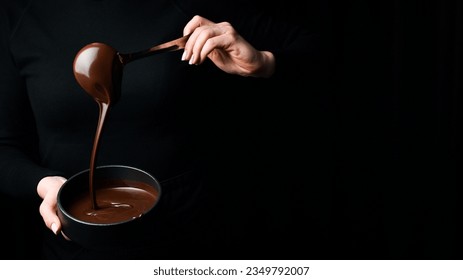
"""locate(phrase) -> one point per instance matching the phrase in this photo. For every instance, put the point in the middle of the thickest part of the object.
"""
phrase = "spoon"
(98, 67)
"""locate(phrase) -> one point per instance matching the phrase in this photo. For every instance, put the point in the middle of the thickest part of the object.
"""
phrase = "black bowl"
(93, 234)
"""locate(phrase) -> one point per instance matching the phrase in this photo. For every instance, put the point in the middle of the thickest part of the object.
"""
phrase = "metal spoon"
(98, 67)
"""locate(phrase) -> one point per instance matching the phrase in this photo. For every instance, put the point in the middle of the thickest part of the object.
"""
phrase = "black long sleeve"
(47, 120)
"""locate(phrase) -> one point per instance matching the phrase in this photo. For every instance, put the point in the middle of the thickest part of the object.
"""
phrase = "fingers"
(48, 189)
(226, 48)
(194, 23)
(205, 37)
(48, 212)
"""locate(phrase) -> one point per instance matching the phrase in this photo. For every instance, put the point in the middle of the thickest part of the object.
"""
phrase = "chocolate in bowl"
(126, 197)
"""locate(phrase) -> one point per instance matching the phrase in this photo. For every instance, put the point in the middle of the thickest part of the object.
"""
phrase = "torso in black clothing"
(145, 128)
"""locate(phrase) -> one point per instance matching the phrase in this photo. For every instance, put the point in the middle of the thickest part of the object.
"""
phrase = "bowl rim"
(64, 212)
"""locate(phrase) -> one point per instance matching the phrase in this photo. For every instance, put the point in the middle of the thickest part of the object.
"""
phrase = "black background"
(363, 162)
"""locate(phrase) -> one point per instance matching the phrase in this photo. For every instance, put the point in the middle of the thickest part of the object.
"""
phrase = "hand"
(222, 44)
(48, 189)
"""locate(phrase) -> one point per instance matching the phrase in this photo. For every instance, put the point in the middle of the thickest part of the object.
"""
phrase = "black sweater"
(47, 122)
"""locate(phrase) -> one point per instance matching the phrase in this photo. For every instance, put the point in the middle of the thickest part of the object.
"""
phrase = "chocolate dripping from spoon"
(98, 68)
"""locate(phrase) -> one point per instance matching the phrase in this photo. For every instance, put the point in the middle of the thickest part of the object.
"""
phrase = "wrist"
(267, 65)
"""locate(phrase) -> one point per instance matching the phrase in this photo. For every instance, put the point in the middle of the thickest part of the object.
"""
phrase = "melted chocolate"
(118, 201)
(98, 71)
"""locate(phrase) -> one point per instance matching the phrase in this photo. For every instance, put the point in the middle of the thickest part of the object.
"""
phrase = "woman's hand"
(222, 44)
(48, 189)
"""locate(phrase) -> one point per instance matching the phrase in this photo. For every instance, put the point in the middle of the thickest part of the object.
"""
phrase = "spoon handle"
(173, 45)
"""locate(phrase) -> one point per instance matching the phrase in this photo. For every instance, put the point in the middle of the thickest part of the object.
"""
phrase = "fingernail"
(183, 56)
(192, 59)
(54, 228)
